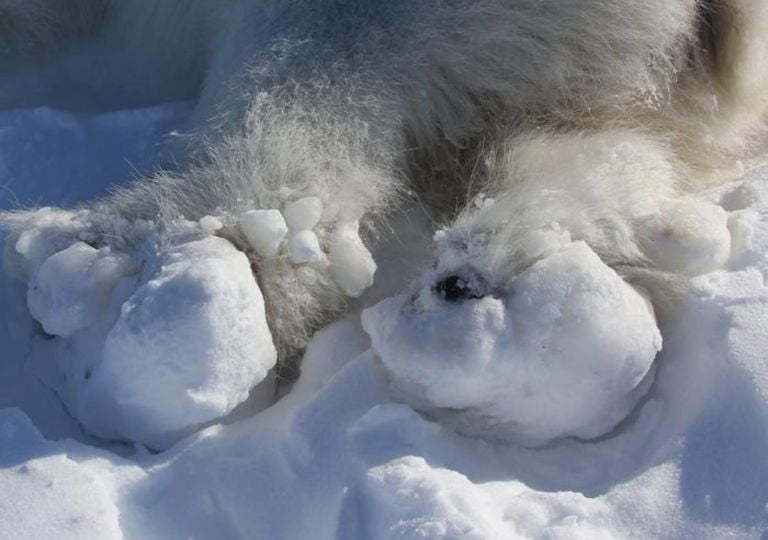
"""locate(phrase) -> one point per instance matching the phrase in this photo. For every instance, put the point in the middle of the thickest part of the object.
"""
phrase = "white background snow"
(338, 457)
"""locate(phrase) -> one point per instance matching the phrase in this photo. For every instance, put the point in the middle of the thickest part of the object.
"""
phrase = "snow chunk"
(742, 225)
(690, 237)
(414, 500)
(304, 247)
(41, 233)
(72, 288)
(566, 350)
(187, 348)
(264, 229)
(352, 265)
(540, 243)
(304, 214)
(210, 224)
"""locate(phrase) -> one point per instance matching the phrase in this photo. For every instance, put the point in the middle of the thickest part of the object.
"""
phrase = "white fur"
(591, 114)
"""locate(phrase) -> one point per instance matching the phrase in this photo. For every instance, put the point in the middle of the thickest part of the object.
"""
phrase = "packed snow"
(187, 348)
(568, 351)
(689, 237)
(134, 390)
(72, 288)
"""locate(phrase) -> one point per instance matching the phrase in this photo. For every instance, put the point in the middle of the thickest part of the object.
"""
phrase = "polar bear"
(551, 141)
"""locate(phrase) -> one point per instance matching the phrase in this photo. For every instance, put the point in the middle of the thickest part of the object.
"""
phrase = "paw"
(150, 342)
(565, 348)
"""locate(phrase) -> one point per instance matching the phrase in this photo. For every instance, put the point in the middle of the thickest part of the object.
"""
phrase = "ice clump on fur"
(152, 355)
(303, 214)
(187, 348)
(566, 349)
(72, 288)
(210, 224)
(351, 264)
(264, 229)
(304, 247)
(343, 253)
(47, 231)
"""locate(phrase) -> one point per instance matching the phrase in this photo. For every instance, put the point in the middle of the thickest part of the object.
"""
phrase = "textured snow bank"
(566, 350)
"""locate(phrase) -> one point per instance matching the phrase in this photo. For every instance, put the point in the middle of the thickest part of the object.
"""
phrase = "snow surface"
(339, 457)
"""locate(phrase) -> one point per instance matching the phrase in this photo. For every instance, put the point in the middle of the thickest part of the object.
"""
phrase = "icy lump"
(187, 348)
(688, 237)
(349, 262)
(566, 349)
(153, 346)
(304, 214)
(72, 288)
(264, 229)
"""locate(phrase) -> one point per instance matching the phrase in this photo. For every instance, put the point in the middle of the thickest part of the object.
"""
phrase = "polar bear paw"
(549, 342)
(153, 335)
(565, 349)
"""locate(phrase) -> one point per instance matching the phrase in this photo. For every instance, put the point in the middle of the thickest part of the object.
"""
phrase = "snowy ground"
(338, 457)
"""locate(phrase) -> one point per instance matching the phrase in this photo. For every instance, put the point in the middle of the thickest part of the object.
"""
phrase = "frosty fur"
(594, 115)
